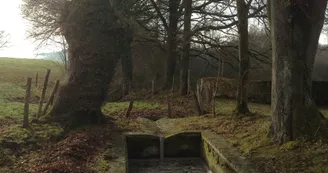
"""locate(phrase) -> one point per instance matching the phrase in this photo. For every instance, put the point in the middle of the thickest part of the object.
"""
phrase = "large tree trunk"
(126, 61)
(244, 64)
(172, 43)
(94, 36)
(185, 48)
(296, 27)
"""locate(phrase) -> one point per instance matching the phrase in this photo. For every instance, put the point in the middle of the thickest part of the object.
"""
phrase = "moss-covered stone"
(143, 146)
(186, 144)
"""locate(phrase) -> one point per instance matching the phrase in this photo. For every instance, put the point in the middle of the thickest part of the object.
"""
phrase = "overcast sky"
(12, 22)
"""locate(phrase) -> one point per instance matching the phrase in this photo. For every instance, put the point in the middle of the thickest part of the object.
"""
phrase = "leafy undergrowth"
(17, 142)
(69, 155)
(77, 152)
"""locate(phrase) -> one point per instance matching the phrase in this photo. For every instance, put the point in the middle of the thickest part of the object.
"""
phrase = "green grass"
(138, 105)
(13, 77)
(17, 71)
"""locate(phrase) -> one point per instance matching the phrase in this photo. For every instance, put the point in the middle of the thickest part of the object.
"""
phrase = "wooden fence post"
(36, 79)
(129, 87)
(200, 96)
(173, 81)
(169, 107)
(153, 87)
(189, 85)
(43, 94)
(27, 102)
(128, 112)
(52, 96)
(123, 88)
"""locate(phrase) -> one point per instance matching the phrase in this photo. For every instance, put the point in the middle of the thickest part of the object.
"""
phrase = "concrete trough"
(196, 152)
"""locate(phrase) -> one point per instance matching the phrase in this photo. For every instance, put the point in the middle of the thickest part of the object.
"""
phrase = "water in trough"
(183, 165)
(147, 154)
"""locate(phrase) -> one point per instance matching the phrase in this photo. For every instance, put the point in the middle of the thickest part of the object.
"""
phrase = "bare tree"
(4, 39)
(63, 54)
(244, 63)
(184, 65)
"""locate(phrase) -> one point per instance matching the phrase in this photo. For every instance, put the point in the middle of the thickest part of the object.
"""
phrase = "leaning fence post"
(36, 79)
(51, 97)
(43, 94)
(27, 102)
(128, 112)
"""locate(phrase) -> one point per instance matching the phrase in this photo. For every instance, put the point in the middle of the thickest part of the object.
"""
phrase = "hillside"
(14, 70)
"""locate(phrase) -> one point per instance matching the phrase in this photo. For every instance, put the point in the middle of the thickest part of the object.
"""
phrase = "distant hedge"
(260, 91)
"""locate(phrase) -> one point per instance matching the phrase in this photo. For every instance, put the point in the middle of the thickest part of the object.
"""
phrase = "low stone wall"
(258, 91)
(221, 157)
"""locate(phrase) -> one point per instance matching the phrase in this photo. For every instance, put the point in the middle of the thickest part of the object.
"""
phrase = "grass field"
(13, 77)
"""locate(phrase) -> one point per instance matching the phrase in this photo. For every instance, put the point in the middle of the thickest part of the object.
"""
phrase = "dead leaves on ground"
(70, 155)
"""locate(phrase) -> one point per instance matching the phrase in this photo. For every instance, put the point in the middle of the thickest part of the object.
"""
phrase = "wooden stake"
(129, 87)
(153, 87)
(43, 94)
(173, 81)
(36, 79)
(123, 88)
(200, 96)
(27, 102)
(213, 106)
(199, 111)
(169, 107)
(52, 96)
(128, 112)
(189, 77)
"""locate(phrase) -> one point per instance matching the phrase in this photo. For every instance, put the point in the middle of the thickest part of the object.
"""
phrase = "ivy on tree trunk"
(93, 35)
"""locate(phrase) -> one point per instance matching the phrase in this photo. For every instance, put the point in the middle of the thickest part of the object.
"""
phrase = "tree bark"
(126, 61)
(172, 43)
(94, 35)
(185, 48)
(296, 27)
(244, 64)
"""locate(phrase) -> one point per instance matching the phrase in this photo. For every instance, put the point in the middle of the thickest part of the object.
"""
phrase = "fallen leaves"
(70, 155)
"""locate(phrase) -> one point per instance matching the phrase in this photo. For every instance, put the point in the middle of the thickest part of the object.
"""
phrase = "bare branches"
(4, 39)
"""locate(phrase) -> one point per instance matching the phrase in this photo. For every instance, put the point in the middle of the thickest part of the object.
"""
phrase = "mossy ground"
(249, 135)
(30, 147)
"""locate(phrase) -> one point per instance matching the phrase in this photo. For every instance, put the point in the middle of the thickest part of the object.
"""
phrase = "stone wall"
(258, 91)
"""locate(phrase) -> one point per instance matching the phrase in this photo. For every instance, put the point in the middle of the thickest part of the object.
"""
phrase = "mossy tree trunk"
(244, 63)
(172, 43)
(93, 35)
(185, 48)
(296, 27)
